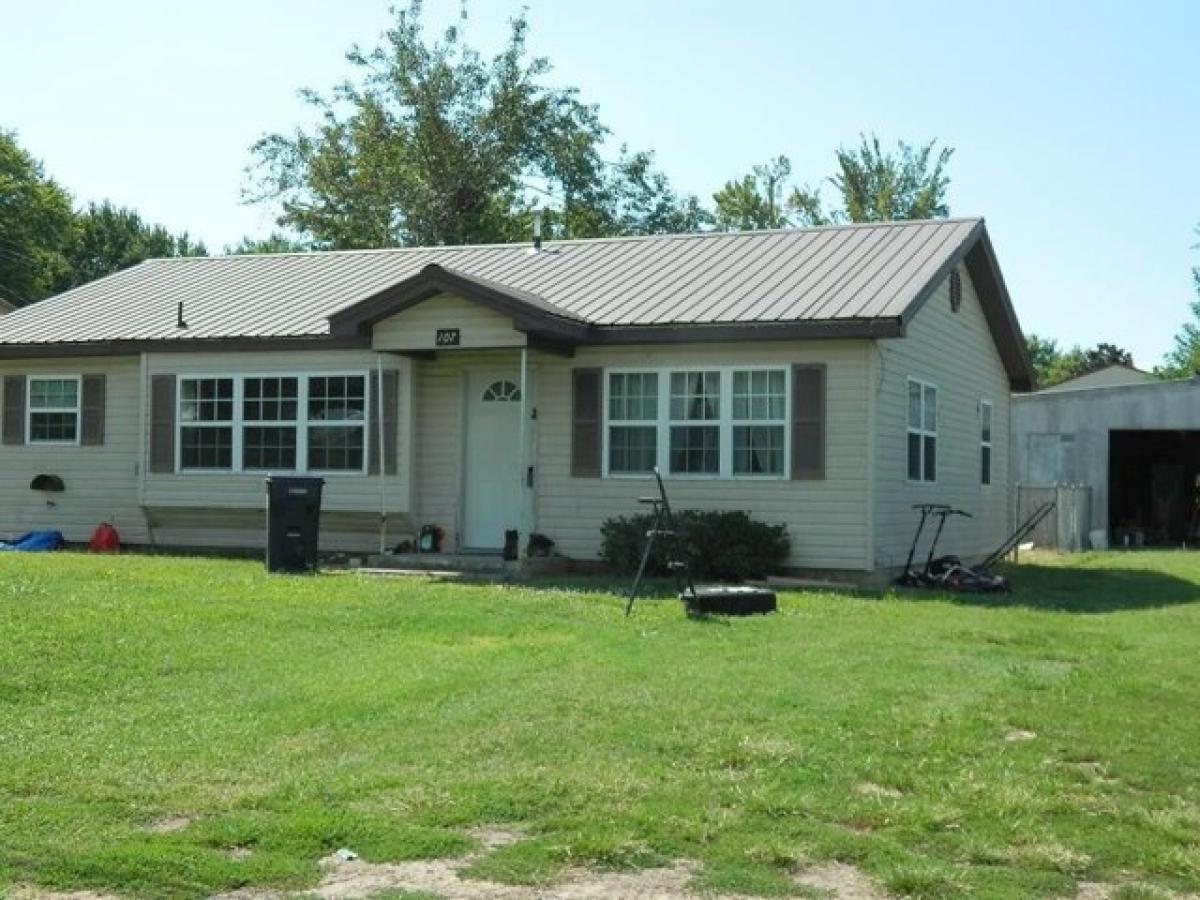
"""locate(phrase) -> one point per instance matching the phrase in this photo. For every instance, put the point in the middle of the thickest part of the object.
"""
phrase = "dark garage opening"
(1153, 488)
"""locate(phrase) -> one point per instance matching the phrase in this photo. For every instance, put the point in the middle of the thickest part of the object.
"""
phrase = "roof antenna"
(537, 230)
(181, 323)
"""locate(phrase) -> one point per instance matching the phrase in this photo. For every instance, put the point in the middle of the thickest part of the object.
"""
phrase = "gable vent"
(955, 291)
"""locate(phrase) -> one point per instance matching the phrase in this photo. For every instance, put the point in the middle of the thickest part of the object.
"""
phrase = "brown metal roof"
(864, 280)
(852, 272)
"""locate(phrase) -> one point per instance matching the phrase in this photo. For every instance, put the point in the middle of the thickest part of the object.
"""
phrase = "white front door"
(492, 480)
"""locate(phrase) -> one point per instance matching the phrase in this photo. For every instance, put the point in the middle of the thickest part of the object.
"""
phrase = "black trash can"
(293, 523)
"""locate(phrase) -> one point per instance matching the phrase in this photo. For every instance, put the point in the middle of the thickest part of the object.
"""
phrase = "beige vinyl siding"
(826, 519)
(245, 529)
(350, 502)
(101, 482)
(955, 352)
(416, 328)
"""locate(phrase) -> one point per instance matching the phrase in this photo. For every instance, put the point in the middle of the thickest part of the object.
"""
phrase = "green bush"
(728, 546)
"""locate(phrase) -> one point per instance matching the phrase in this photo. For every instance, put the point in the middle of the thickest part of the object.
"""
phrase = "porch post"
(379, 431)
(523, 448)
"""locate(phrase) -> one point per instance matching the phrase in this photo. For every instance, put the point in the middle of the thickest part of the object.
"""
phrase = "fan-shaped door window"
(501, 391)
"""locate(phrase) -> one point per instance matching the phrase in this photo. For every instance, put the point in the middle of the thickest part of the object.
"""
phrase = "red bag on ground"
(105, 539)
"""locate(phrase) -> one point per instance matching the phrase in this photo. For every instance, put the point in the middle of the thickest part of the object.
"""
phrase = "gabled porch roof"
(531, 314)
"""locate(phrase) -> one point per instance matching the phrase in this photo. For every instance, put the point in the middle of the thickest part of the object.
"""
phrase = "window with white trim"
(716, 422)
(206, 417)
(696, 446)
(53, 405)
(985, 442)
(922, 431)
(337, 415)
(273, 423)
(270, 423)
(633, 422)
(759, 421)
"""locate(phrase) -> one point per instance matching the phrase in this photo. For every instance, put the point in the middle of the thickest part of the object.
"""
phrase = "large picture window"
(53, 410)
(273, 423)
(714, 422)
(922, 431)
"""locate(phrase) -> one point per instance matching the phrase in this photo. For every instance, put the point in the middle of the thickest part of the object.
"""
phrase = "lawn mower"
(945, 572)
(949, 572)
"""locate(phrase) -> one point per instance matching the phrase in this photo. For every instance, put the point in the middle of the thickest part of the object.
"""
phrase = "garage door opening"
(1153, 488)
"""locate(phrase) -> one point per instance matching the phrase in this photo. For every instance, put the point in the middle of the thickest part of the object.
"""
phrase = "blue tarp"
(35, 540)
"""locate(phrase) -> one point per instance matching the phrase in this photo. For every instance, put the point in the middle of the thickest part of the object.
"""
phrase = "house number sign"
(448, 337)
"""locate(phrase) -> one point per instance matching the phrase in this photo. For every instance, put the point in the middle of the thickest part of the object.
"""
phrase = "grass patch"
(945, 745)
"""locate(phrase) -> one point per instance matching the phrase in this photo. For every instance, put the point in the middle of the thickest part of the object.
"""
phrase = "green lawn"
(1009, 748)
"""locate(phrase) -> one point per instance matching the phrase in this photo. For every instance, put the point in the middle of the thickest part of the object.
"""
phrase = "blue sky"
(1076, 125)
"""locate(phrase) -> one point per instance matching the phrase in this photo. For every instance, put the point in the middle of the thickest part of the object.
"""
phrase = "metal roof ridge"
(550, 244)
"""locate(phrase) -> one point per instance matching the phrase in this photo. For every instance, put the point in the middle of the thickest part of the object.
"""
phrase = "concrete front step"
(467, 563)
(485, 566)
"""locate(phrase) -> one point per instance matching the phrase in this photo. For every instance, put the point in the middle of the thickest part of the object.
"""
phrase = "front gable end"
(419, 313)
(446, 321)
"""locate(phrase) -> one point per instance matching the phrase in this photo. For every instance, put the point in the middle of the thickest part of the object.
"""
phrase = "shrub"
(729, 546)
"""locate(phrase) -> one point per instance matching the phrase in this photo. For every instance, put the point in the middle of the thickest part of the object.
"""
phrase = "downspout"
(522, 456)
(382, 460)
(144, 447)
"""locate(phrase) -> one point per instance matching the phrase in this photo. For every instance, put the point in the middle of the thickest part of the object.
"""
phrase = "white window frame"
(233, 424)
(987, 411)
(305, 423)
(238, 423)
(724, 399)
(296, 423)
(655, 423)
(725, 422)
(30, 411)
(922, 430)
(751, 422)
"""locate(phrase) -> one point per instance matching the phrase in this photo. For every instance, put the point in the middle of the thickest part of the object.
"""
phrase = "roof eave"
(825, 329)
(132, 347)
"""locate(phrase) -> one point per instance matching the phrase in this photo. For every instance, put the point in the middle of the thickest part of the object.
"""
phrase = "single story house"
(826, 379)
(1134, 446)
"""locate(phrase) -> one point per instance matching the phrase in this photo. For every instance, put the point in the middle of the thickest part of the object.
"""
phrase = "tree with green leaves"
(875, 185)
(1183, 360)
(1053, 365)
(434, 144)
(755, 201)
(276, 242)
(107, 238)
(1045, 358)
(47, 247)
(1104, 355)
(36, 224)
